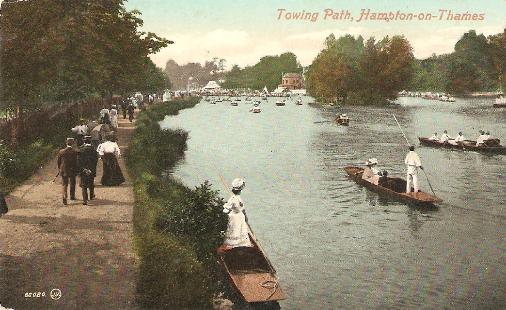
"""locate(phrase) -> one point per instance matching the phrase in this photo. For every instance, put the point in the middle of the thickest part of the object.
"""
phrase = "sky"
(242, 31)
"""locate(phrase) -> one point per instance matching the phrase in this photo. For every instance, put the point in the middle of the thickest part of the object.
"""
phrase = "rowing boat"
(467, 145)
(251, 273)
(393, 187)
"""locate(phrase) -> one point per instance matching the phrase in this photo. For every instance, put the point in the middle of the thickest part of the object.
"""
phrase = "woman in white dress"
(113, 113)
(237, 234)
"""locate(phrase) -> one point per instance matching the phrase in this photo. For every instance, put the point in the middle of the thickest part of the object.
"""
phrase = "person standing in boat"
(445, 137)
(412, 162)
(237, 233)
(371, 173)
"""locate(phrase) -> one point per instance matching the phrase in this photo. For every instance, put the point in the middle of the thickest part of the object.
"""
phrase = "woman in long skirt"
(237, 234)
(113, 114)
(108, 152)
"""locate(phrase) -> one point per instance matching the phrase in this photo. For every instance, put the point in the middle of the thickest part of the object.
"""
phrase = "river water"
(336, 245)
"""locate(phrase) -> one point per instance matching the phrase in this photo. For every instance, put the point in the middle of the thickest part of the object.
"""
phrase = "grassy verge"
(176, 229)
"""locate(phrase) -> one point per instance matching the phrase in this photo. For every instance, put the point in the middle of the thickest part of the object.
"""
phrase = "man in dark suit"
(87, 167)
(67, 167)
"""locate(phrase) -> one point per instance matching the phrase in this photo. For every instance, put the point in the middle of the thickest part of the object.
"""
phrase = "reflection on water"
(337, 245)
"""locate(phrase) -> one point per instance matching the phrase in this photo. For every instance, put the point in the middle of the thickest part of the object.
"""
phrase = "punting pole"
(407, 141)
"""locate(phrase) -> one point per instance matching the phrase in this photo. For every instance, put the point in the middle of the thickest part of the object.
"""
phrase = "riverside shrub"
(176, 229)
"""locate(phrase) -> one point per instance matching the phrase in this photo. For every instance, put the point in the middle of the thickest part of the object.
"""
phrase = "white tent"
(212, 85)
(279, 90)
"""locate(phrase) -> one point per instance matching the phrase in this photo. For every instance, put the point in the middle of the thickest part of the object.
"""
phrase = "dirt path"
(84, 251)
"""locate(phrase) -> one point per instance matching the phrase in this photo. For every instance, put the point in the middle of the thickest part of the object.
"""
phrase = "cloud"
(243, 48)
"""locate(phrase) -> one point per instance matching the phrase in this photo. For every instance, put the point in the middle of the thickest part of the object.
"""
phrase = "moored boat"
(467, 145)
(280, 103)
(394, 188)
(234, 103)
(256, 109)
(343, 120)
(251, 273)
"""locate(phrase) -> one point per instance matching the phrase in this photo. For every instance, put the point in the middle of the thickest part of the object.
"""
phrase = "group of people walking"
(93, 142)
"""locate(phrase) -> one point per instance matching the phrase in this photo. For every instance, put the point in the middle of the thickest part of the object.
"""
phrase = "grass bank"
(176, 229)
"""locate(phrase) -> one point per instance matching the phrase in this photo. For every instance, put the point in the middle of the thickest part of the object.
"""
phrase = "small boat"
(251, 273)
(393, 187)
(500, 102)
(256, 109)
(298, 102)
(280, 103)
(343, 120)
(256, 104)
(493, 146)
(234, 103)
(213, 102)
(264, 98)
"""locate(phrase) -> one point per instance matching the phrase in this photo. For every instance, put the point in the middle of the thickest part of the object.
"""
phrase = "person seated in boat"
(237, 233)
(383, 178)
(445, 137)
(491, 140)
(481, 138)
(458, 140)
(434, 137)
(371, 173)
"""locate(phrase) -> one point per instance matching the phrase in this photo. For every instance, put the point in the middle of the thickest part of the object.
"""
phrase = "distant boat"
(500, 102)
(298, 102)
(343, 120)
(393, 187)
(234, 103)
(280, 103)
(256, 109)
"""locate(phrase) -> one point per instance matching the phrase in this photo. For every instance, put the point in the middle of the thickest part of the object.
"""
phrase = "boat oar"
(407, 141)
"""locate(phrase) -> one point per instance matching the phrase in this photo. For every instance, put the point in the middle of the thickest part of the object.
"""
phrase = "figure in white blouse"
(434, 137)
(237, 234)
(109, 152)
(445, 137)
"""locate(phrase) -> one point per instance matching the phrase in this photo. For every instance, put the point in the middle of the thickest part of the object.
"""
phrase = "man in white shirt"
(458, 140)
(412, 162)
(445, 137)
(80, 130)
(481, 138)
(434, 137)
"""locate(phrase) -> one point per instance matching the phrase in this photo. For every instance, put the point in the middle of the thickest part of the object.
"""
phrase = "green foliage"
(477, 64)
(67, 50)
(177, 229)
(366, 73)
(267, 72)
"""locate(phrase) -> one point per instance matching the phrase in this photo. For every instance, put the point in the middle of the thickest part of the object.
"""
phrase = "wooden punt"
(251, 273)
(393, 187)
(467, 145)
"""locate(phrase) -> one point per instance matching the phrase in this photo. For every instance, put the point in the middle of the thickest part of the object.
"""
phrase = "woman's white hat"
(238, 184)
(371, 161)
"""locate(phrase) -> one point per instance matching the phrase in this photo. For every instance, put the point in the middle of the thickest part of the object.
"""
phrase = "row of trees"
(478, 63)
(267, 72)
(60, 50)
(355, 71)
